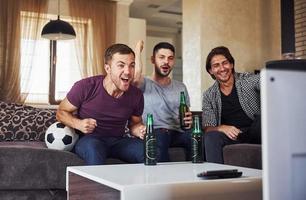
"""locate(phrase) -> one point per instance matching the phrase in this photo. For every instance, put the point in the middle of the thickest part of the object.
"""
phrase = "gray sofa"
(29, 170)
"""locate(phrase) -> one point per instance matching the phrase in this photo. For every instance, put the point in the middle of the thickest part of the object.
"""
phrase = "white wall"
(122, 25)
(137, 31)
(249, 28)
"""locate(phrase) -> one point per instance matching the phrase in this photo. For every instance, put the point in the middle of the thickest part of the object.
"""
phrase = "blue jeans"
(170, 138)
(95, 150)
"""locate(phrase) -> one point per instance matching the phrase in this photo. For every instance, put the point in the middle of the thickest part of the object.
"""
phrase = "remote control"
(229, 173)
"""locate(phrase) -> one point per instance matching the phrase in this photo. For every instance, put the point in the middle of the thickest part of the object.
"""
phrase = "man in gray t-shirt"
(162, 99)
(163, 102)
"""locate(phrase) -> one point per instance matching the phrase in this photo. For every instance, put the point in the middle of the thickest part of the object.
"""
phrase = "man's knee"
(138, 152)
(213, 137)
(86, 144)
(91, 150)
(132, 152)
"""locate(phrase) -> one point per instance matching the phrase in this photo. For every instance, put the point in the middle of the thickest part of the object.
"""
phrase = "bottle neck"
(196, 124)
(149, 125)
(182, 98)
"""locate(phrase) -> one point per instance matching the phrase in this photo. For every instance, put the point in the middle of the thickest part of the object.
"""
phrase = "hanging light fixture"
(58, 29)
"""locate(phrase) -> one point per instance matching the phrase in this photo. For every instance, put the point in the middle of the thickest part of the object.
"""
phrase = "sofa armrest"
(29, 165)
(243, 155)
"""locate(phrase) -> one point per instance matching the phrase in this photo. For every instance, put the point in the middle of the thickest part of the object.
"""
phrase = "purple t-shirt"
(111, 114)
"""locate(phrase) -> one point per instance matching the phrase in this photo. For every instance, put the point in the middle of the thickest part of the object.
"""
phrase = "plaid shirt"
(248, 90)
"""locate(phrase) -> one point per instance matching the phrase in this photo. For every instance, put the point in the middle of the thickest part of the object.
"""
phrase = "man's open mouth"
(125, 80)
(165, 68)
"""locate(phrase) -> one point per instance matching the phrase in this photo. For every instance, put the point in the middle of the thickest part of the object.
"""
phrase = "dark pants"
(95, 150)
(170, 138)
(215, 140)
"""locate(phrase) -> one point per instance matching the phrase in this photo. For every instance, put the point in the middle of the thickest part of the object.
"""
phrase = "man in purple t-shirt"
(103, 105)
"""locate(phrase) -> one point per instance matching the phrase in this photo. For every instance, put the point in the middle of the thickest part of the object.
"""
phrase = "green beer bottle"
(150, 148)
(196, 141)
(183, 109)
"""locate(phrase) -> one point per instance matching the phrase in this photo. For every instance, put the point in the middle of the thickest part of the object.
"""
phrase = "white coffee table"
(163, 181)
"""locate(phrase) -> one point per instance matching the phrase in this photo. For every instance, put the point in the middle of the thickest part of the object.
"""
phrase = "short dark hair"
(116, 48)
(221, 50)
(163, 45)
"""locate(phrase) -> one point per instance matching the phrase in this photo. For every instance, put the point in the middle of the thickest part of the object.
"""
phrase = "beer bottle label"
(151, 149)
(197, 152)
(194, 147)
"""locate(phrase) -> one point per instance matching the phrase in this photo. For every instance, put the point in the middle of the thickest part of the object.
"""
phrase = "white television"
(283, 105)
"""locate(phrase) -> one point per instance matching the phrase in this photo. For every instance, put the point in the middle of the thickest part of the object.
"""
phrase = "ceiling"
(161, 13)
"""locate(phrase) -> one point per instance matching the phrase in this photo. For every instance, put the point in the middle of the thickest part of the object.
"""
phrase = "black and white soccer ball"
(61, 137)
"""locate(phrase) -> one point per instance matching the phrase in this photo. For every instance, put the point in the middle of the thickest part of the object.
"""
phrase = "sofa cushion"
(244, 155)
(19, 122)
(30, 165)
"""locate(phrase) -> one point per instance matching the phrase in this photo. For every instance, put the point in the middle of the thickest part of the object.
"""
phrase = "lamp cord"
(58, 9)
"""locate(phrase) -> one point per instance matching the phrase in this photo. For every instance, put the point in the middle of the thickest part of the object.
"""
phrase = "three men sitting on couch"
(231, 107)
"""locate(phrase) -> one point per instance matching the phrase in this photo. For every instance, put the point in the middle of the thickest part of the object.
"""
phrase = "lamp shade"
(58, 30)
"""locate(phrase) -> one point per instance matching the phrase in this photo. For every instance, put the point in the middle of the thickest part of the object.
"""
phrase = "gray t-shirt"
(163, 102)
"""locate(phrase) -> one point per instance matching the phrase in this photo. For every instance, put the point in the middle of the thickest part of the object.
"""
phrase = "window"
(35, 71)
(67, 69)
(48, 68)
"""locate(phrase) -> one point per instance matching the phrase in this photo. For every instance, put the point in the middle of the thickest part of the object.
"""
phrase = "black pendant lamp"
(58, 29)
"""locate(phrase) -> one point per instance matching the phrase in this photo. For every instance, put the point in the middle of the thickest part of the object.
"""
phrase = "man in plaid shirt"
(231, 106)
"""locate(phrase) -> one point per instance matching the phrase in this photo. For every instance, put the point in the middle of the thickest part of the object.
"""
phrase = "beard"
(160, 72)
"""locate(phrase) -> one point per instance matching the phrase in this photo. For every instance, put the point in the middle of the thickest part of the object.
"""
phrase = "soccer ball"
(61, 137)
